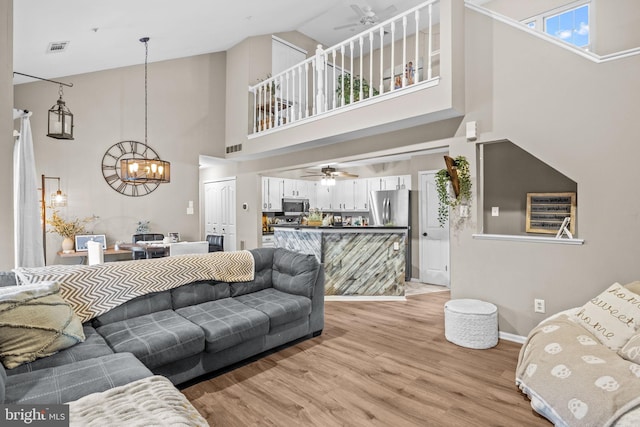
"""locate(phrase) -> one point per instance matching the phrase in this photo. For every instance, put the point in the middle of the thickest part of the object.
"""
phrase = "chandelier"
(144, 169)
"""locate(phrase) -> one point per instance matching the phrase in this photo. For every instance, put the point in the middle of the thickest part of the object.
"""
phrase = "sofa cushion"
(70, 382)
(156, 339)
(93, 346)
(294, 273)
(138, 306)
(7, 278)
(35, 322)
(263, 263)
(226, 322)
(199, 292)
(281, 307)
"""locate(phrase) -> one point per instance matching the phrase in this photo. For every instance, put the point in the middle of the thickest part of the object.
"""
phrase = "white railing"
(390, 56)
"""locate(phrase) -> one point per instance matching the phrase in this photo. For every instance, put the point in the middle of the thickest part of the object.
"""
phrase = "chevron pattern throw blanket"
(92, 290)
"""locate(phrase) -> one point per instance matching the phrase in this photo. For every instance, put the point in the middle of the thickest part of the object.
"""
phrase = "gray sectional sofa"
(181, 333)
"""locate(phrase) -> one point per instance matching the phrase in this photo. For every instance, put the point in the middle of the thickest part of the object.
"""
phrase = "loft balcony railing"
(392, 56)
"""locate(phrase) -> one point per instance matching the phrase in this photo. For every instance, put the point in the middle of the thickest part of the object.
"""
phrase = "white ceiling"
(104, 34)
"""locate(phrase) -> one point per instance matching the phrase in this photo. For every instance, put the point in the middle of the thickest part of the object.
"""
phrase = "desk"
(151, 251)
(83, 254)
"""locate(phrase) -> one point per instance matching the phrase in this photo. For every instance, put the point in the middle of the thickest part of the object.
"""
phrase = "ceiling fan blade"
(312, 175)
(342, 27)
(387, 12)
(358, 10)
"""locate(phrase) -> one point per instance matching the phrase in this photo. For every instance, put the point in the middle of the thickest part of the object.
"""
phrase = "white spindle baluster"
(351, 72)
(430, 43)
(306, 89)
(333, 53)
(381, 60)
(361, 91)
(404, 50)
(342, 80)
(392, 84)
(255, 109)
(314, 67)
(371, 64)
(300, 92)
(325, 91)
(416, 65)
(294, 116)
(288, 98)
(263, 105)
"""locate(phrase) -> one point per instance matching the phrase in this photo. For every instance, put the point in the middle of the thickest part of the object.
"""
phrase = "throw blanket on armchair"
(92, 290)
(573, 380)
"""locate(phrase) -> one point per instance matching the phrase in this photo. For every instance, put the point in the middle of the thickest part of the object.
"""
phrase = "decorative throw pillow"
(612, 316)
(634, 287)
(631, 350)
(35, 322)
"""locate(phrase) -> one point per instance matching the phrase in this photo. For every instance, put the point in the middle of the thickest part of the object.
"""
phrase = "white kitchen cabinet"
(324, 197)
(312, 191)
(361, 194)
(343, 195)
(395, 182)
(296, 188)
(272, 194)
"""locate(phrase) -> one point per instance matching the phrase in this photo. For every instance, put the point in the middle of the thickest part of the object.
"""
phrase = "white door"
(220, 211)
(434, 240)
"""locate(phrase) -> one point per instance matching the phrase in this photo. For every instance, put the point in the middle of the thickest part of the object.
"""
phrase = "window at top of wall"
(569, 23)
(572, 26)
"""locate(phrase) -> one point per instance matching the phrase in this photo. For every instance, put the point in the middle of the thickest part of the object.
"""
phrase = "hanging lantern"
(60, 120)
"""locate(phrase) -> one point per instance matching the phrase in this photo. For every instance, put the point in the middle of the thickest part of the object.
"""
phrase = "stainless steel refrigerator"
(393, 208)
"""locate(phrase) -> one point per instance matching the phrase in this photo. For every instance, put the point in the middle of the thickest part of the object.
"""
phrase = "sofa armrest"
(316, 319)
(3, 382)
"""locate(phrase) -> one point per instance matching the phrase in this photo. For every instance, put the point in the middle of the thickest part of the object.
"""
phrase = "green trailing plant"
(343, 88)
(442, 187)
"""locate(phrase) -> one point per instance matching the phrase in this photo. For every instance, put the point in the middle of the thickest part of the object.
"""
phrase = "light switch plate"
(495, 211)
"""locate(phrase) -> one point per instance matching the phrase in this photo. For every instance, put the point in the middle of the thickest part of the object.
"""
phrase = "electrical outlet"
(396, 246)
(495, 211)
(538, 305)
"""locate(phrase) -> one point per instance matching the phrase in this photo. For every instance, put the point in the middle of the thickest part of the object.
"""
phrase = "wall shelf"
(529, 239)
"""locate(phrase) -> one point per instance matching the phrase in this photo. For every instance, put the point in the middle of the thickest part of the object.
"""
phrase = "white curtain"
(26, 204)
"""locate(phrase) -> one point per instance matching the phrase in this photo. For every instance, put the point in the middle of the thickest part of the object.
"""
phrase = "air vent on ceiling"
(55, 47)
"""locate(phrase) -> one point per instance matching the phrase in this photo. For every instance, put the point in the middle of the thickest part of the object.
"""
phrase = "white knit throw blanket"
(92, 290)
(151, 401)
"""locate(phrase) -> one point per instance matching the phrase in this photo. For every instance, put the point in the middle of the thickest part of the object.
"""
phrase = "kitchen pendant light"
(144, 169)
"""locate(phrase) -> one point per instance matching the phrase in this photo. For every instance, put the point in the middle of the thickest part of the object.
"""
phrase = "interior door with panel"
(220, 211)
(434, 240)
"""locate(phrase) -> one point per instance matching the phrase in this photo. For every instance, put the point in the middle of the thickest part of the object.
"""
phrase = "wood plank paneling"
(376, 364)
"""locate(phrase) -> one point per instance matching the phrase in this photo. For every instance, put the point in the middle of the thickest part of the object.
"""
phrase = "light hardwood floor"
(376, 364)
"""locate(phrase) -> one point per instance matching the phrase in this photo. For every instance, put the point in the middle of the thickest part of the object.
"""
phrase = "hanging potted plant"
(456, 173)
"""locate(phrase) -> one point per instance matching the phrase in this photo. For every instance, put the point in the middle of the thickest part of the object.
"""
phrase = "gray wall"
(6, 135)
(579, 117)
(186, 119)
(509, 174)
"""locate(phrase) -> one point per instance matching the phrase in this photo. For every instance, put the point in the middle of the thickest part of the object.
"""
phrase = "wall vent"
(234, 148)
(55, 47)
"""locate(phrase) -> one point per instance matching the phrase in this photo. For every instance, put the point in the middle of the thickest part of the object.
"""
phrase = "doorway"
(220, 211)
(433, 239)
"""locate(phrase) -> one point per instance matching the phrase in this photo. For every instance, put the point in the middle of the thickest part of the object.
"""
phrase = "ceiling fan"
(367, 17)
(329, 172)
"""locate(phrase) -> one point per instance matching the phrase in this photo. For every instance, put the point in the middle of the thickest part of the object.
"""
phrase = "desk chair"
(184, 248)
(216, 242)
(140, 253)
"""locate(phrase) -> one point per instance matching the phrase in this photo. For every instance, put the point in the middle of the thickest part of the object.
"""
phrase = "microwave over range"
(295, 206)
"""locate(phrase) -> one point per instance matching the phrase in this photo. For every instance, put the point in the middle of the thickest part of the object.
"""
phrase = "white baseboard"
(512, 337)
(363, 298)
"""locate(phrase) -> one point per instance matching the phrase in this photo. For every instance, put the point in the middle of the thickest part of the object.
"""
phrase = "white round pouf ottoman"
(471, 323)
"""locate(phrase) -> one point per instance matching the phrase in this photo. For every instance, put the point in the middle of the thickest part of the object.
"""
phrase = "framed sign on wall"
(546, 212)
(82, 239)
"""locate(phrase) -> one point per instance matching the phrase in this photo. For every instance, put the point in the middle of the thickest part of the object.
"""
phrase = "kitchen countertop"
(350, 228)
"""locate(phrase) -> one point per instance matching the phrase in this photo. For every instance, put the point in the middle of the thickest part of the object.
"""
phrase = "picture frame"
(82, 239)
(547, 212)
(174, 237)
